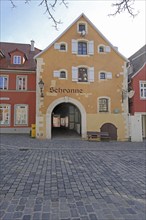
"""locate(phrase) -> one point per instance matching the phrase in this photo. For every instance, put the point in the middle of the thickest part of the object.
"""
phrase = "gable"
(83, 19)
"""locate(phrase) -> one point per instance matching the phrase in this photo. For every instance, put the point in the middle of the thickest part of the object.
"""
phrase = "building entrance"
(66, 121)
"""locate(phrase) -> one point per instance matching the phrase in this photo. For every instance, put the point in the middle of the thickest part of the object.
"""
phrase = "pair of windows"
(20, 114)
(79, 74)
(21, 83)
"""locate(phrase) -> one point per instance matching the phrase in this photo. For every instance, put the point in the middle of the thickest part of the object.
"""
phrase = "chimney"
(32, 45)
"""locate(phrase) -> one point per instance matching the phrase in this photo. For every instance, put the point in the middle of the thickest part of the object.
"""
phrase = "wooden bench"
(95, 135)
(92, 135)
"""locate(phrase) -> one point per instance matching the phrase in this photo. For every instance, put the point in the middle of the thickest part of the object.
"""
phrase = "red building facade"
(17, 87)
(137, 82)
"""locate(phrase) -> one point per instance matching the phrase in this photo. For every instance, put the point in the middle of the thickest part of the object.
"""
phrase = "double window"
(3, 82)
(21, 83)
(82, 47)
(16, 59)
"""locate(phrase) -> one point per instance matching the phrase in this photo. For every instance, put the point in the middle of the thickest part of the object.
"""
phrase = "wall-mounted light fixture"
(41, 85)
(127, 93)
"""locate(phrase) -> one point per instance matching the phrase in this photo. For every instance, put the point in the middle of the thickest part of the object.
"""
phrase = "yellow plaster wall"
(110, 62)
(95, 121)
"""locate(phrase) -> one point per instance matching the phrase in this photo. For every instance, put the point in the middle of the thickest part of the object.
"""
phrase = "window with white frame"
(3, 82)
(82, 47)
(83, 74)
(102, 75)
(105, 75)
(21, 83)
(104, 49)
(4, 114)
(143, 89)
(62, 74)
(21, 114)
(82, 27)
(62, 46)
(103, 104)
(16, 59)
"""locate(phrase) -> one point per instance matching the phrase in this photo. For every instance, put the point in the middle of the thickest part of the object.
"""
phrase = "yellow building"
(85, 84)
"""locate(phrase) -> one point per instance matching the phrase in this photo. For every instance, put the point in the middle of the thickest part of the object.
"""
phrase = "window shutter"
(57, 46)
(56, 73)
(74, 73)
(91, 47)
(91, 74)
(107, 49)
(109, 75)
(74, 46)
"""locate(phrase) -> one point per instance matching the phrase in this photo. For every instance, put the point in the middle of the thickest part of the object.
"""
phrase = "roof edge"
(86, 18)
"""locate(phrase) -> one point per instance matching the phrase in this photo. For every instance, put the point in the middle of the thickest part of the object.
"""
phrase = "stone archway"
(65, 100)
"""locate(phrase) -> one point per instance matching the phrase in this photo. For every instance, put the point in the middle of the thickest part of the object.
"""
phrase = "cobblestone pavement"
(71, 179)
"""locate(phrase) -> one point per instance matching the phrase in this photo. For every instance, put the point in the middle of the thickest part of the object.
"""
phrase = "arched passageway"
(66, 121)
(71, 114)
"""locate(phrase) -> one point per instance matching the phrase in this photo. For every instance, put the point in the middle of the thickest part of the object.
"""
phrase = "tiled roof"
(7, 48)
(137, 60)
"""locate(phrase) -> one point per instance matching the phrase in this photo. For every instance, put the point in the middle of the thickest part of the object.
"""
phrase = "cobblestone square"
(71, 179)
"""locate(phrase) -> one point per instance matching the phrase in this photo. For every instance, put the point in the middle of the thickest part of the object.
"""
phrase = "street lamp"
(41, 85)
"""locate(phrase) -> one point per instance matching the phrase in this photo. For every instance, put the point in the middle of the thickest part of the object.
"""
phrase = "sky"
(28, 22)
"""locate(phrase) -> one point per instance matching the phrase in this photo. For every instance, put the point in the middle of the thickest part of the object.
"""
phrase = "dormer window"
(16, 59)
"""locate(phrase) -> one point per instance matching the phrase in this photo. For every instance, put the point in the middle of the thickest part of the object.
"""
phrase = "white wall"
(136, 128)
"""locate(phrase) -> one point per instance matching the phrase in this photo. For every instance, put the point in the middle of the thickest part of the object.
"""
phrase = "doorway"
(111, 129)
(67, 100)
(66, 121)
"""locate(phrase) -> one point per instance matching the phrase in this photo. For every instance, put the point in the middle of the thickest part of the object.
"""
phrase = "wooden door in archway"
(111, 129)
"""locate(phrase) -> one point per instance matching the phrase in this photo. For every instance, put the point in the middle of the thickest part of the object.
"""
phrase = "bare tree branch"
(50, 6)
(122, 6)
